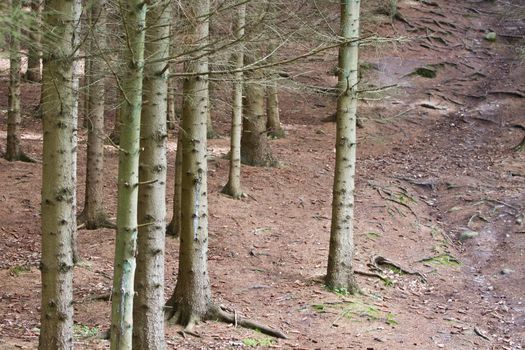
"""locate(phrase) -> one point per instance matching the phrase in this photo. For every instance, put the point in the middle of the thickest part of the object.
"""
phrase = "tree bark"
(275, 129)
(33, 53)
(14, 148)
(191, 299)
(173, 228)
(58, 186)
(233, 187)
(255, 149)
(148, 307)
(341, 253)
(94, 215)
(133, 17)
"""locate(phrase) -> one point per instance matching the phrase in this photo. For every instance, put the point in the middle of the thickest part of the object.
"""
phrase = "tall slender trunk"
(192, 296)
(94, 214)
(173, 228)
(58, 186)
(148, 307)
(233, 187)
(275, 129)
(14, 118)
(255, 149)
(33, 51)
(133, 17)
(341, 253)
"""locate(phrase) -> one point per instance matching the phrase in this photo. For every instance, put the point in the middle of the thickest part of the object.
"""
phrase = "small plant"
(443, 259)
(339, 291)
(373, 235)
(254, 342)
(318, 307)
(18, 270)
(84, 331)
(390, 319)
(388, 282)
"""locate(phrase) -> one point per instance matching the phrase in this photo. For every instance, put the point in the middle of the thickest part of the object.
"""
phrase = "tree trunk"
(58, 187)
(191, 300)
(275, 129)
(94, 215)
(255, 149)
(173, 228)
(133, 17)
(148, 308)
(340, 265)
(33, 52)
(172, 114)
(233, 187)
(14, 148)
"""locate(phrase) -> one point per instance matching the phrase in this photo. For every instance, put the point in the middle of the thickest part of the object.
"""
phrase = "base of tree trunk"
(101, 221)
(212, 134)
(266, 161)
(216, 313)
(172, 229)
(232, 192)
(349, 285)
(276, 133)
(20, 157)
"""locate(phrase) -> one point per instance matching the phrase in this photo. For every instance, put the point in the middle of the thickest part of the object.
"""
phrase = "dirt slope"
(435, 163)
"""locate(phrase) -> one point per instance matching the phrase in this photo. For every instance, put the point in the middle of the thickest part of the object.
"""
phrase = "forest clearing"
(439, 187)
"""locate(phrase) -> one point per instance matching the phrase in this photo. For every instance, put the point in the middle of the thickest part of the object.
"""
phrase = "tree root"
(101, 222)
(216, 313)
(234, 319)
(380, 260)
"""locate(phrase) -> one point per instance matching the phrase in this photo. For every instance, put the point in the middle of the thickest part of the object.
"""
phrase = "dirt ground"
(440, 192)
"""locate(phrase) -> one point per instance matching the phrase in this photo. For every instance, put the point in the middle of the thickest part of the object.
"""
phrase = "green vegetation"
(254, 342)
(443, 259)
(491, 36)
(373, 235)
(18, 270)
(356, 310)
(84, 331)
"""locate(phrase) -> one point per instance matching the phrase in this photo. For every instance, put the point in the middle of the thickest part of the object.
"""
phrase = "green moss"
(491, 36)
(84, 331)
(18, 270)
(254, 342)
(443, 259)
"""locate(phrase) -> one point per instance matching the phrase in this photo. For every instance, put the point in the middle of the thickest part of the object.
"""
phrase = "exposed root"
(216, 313)
(380, 260)
(222, 315)
(371, 274)
(100, 222)
(172, 229)
(20, 157)
(230, 192)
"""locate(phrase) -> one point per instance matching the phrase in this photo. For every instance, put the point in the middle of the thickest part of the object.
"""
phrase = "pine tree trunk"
(33, 52)
(94, 214)
(340, 264)
(172, 114)
(192, 297)
(233, 187)
(58, 187)
(14, 148)
(148, 312)
(274, 126)
(255, 149)
(133, 15)
(173, 228)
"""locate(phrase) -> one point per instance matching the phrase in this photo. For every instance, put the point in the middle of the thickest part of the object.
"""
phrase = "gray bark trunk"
(341, 253)
(33, 52)
(134, 15)
(148, 312)
(192, 296)
(233, 187)
(173, 228)
(58, 187)
(255, 149)
(94, 214)
(14, 147)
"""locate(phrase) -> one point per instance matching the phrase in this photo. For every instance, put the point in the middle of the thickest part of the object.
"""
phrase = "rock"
(506, 271)
(468, 234)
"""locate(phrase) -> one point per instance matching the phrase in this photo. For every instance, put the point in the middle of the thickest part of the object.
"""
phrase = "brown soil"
(435, 161)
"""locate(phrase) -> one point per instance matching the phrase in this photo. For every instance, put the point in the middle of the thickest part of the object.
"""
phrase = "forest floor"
(440, 191)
